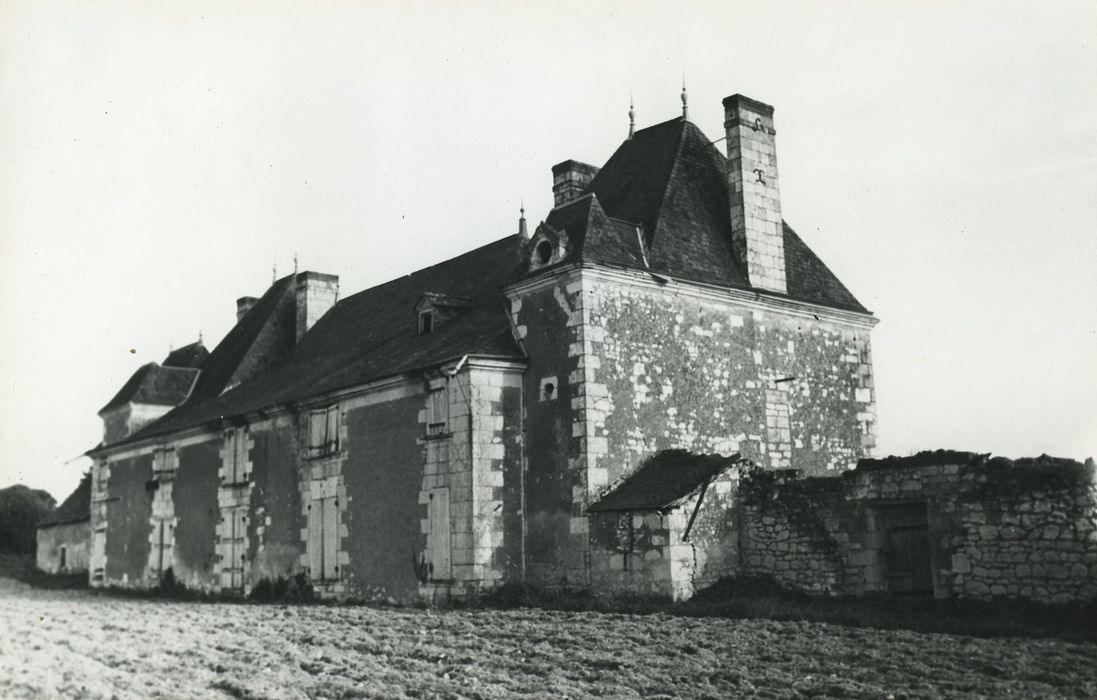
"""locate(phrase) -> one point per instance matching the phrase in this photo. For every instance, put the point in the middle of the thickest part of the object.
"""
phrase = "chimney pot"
(243, 306)
(569, 179)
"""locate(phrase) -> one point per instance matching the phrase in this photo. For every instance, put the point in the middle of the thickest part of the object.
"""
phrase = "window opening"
(543, 253)
(437, 412)
(426, 322)
(324, 432)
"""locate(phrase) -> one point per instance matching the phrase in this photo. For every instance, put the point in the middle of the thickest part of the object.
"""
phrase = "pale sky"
(157, 159)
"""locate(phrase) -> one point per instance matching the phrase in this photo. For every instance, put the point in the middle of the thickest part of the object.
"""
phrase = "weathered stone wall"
(638, 367)
(990, 527)
(690, 368)
(74, 537)
(658, 553)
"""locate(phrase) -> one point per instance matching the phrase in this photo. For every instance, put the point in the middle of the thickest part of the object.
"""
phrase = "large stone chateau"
(550, 408)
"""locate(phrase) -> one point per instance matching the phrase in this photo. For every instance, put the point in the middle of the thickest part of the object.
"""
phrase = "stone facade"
(948, 524)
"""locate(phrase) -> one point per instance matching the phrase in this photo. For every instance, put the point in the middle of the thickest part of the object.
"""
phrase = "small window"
(101, 478)
(426, 322)
(63, 553)
(548, 388)
(543, 253)
(163, 462)
(324, 432)
(437, 412)
(234, 456)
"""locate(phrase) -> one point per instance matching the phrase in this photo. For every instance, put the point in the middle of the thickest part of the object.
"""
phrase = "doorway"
(905, 553)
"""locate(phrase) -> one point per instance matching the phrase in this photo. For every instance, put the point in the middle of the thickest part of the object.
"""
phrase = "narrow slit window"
(426, 322)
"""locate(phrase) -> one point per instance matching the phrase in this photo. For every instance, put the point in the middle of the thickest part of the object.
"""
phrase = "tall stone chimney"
(316, 293)
(243, 306)
(569, 179)
(757, 232)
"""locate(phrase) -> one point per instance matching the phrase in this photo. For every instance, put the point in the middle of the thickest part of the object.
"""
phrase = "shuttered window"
(437, 412)
(324, 431)
(234, 456)
(323, 530)
(163, 462)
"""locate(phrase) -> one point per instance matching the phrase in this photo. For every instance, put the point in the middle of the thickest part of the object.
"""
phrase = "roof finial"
(631, 116)
(295, 262)
(273, 273)
(199, 334)
(522, 221)
(685, 102)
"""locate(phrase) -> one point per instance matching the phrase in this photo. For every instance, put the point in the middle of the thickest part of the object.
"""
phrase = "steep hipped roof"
(663, 481)
(189, 356)
(271, 323)
(670, 181)
(372, 335)
(75, 508)
(154, 385)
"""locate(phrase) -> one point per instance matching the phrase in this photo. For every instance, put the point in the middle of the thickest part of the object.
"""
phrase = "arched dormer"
(547, 247)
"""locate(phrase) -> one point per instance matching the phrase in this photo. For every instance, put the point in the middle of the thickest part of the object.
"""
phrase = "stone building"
(450, 430)
(944, 523)
(63, 537)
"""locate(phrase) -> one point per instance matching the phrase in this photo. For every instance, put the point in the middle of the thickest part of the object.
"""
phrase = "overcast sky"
(157, 159)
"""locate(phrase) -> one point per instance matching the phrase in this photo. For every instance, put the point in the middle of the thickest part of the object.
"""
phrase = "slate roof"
(670, 181)
(367, 336)
(189, 356)
(154, 385)
(75, 508)
(663, 481)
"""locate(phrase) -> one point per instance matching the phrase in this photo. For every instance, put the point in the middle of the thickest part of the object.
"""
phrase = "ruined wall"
(275, 507)
(946, 524)
(659, 553)
(128, 510)
(195, 497)
(75, 538)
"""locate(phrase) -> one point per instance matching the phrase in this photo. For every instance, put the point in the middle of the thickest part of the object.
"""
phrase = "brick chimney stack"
(243, 306)
(316, 294)
(569, 179)
(757, 231)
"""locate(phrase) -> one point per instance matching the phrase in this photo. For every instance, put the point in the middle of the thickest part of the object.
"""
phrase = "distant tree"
(21, 509)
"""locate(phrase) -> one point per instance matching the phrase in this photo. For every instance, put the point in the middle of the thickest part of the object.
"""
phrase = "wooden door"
(440, 563)
(907, 555)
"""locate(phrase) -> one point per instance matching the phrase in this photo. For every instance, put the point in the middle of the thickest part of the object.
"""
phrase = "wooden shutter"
(439, 534)
(331, 538)
(331, 442)
(240, 455)
(316, 431)
(316, 541)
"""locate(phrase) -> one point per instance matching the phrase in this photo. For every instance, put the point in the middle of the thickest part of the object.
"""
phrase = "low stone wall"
(946, 523)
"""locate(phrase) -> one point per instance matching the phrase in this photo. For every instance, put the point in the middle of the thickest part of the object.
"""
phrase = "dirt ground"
(80, 644)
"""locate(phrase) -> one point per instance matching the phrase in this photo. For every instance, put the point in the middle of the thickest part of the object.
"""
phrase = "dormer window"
(435, 308)
(548, 247)
(543, 253)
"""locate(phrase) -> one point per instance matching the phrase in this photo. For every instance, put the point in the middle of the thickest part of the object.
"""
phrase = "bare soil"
(84, 644)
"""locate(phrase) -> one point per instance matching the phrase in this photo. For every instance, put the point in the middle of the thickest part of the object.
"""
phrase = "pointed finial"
(295, 262)
(685, 100)
(273, 273)
(522, 222)
(631, 116)
(199, 334)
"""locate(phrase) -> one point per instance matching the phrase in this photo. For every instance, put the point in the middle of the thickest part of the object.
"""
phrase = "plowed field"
(78, 644)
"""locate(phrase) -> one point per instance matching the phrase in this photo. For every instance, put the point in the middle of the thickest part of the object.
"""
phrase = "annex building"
(534, 410)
